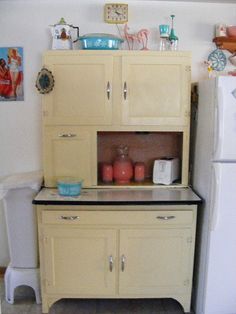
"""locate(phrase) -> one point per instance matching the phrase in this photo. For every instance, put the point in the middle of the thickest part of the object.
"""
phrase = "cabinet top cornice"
(117, 53)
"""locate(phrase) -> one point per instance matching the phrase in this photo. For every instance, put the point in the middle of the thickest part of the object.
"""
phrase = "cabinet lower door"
(155, 91)
(79, 261)
(68, 152)
(155, 262)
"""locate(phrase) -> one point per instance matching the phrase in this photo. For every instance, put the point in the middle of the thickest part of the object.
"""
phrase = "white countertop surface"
(120, 196)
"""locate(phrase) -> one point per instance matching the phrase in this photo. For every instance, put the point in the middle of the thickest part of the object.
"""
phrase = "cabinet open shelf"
(226, 43)
(143, 147)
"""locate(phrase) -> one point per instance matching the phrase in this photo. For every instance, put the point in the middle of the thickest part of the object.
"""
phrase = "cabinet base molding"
(47, 301)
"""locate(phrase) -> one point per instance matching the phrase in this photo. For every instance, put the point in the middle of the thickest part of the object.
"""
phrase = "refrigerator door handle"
(214, 196)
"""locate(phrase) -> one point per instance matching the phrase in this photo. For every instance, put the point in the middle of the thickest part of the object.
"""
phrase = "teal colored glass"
(164, 30)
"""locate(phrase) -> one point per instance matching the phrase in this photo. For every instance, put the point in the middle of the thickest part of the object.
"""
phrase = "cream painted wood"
(152, 218)
(158, 98)
(78, 261)
(81, 94)
(157, 253)
(157, 90)
(185, 158)
(155, 261)
(68, 151)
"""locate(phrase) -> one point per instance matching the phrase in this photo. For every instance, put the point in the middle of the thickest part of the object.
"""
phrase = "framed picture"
(11, 74)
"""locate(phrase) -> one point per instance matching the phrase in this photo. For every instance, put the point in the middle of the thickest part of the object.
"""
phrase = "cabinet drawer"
(167, 217)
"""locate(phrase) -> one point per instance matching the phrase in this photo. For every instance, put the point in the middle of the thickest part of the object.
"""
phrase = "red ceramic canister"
(107, 173)
(139, 172)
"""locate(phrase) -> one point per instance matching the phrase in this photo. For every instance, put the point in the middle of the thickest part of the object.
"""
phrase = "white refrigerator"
(214, 179)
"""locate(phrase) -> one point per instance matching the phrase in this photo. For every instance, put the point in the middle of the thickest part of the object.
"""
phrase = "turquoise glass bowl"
(69, 187)
(99, 41)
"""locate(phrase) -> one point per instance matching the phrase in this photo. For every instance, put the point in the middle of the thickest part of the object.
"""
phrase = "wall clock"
(116, 13)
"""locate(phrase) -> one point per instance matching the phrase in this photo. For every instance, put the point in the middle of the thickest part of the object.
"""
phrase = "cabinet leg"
(45, 308)
(185, 301)
(45, 305)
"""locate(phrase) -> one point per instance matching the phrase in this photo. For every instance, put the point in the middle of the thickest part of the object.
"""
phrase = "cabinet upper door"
(79, 261)
(82, 91)
(156, 90)
(155, 262)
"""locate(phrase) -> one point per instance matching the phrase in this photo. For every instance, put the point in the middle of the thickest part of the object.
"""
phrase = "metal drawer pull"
(125, 90)
(123, 262)
(69, 217)
(108, 90)
(67, 135)
(165, 217)
(110, 263)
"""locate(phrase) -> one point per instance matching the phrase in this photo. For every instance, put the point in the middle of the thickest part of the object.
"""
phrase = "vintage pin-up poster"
(11, 74)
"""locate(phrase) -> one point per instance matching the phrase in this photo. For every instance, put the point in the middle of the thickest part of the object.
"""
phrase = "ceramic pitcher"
(62, 35)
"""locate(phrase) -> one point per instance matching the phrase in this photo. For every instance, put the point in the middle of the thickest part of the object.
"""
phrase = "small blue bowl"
(69, 187)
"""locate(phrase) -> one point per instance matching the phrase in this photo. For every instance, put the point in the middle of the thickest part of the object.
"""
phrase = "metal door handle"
(70, 217)
(123, 262)
(165, 217)
(110, 263)
(67, 135)
(108, 90)
(125, 90)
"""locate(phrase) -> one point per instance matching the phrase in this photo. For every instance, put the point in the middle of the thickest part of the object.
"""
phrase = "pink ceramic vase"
(122, 166)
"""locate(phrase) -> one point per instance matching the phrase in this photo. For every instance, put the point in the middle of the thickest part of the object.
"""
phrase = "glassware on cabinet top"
(164, 30)
(173, 39)
(164, 35)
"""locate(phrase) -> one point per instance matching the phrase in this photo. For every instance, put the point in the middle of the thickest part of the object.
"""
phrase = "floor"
(25, 304)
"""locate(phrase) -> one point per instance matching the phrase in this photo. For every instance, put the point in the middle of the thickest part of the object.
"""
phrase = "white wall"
(25, 23)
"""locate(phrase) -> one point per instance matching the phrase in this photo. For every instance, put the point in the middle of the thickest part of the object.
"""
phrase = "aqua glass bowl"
(99, 41)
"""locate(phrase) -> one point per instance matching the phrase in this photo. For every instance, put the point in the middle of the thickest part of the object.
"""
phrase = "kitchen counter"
(152, 196)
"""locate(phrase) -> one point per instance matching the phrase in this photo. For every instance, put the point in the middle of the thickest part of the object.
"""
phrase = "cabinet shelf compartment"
(143, 147)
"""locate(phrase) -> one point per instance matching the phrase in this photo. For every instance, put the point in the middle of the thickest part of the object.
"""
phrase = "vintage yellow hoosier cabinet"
(116, 241)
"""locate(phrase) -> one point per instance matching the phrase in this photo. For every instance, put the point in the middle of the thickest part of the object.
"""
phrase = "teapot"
(61, 34)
